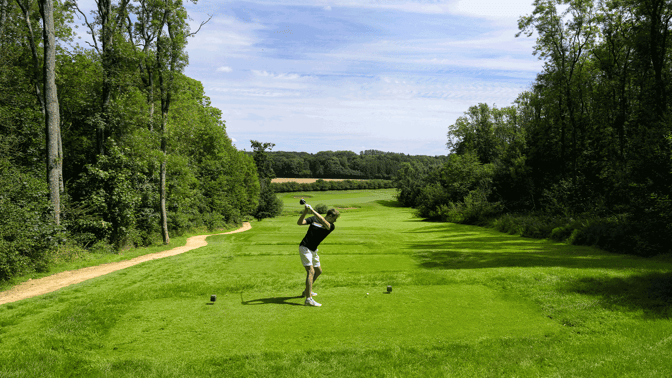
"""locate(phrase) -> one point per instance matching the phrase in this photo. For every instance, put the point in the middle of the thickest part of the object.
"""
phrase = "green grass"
(72, 258)
(466, 302)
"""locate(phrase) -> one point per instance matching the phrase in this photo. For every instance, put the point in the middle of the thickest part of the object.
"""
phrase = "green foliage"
(110, 140)
(370, 164)
(269, 205)
(533, 226)
(110, 199)
(474, 209)
(448, 188)
(323, 185)
(321, 208)
(409, 181)
(27, 232)
(218, 184)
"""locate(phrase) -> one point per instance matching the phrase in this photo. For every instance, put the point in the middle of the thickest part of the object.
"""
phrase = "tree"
(105, 30)
(409, 181)
(4, 10)
(474, 132)
(269, 205)
(52, 115)
(38, 83)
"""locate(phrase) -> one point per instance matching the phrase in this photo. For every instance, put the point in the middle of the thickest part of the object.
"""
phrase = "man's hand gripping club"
(309, 209)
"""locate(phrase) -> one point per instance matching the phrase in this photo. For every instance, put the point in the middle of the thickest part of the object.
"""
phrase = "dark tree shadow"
(651, 292)
(466, 250)
(271, 300)
(390, 203)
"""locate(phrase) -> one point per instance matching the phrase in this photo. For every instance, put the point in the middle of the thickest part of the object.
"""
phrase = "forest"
(369, 164)
(111, 145)
(583, 155)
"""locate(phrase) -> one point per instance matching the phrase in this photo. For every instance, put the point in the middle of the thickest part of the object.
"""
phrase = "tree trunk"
(105, 13)
(658, 31)
(162, 184)
(25, 9)
(52, 118)
(150, 96)
(4, 7)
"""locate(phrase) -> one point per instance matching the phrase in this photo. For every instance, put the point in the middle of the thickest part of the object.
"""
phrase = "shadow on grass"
(651, 292)
(391, 203)
(462, 247)
(271, 300)
(459, 247)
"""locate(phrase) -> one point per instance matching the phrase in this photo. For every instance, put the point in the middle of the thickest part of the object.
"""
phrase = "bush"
(474, 210)
(321, 208)
(618, 234)
(269, 204)
(321, 185)
(432, 201)
(110, 198)
(28, 234)
(528, 225)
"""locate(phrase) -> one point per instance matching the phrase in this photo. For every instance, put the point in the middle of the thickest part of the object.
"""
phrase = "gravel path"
(48, 284)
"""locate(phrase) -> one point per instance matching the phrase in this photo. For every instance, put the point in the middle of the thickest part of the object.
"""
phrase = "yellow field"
(305, 180)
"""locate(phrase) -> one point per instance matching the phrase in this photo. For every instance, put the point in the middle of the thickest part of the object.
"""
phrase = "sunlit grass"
(70, 257)
(466, 301)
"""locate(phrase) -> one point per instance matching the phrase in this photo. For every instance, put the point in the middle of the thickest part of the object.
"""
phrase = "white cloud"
(281, 76)
(384, 89)
(493, 9)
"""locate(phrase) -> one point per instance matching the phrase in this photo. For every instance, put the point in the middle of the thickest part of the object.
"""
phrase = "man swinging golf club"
(318, 228)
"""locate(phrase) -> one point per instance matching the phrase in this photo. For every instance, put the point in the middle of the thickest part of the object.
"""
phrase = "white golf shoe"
(311, 302)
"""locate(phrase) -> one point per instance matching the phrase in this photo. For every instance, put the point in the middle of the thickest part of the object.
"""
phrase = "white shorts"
(308, 257)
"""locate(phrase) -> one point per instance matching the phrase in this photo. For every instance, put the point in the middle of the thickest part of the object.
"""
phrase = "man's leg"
(318, 271)
(310, 277)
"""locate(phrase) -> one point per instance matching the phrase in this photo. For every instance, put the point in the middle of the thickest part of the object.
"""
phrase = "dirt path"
(48, 284)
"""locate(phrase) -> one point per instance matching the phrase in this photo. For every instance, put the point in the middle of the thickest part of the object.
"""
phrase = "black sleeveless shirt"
(316, 233)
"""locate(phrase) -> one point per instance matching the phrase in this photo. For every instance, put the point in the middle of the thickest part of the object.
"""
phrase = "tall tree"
(269, 205)
(171, 58)
(4, 9)
(26, 8)
(105, 29)
(52, 115)
(563, 41)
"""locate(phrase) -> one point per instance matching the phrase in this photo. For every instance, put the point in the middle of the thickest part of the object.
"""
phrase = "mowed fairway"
(466, 301)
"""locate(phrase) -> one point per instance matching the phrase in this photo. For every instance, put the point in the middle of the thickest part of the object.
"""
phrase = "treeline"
(369, 164)
(584, 155)
(322, 185)
(126, 151)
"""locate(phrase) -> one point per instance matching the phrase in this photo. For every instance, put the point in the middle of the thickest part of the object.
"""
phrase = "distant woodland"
(369, 164)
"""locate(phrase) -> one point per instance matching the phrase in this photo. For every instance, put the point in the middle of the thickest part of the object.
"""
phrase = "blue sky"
(357, 74)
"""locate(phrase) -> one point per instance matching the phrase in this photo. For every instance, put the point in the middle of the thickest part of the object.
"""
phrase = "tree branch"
(200, 26)
(93, 31)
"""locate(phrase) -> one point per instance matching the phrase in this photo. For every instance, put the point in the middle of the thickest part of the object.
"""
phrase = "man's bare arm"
(301, 220)
(319, 217)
